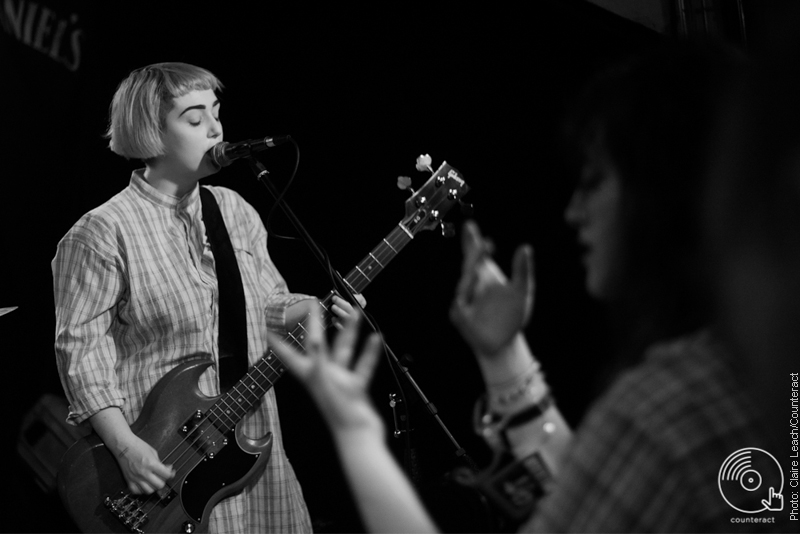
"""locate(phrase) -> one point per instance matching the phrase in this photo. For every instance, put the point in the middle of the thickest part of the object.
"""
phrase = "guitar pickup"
(204, 435)
(191, 423)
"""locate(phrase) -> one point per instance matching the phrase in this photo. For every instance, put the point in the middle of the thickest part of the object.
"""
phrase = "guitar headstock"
(426, 208)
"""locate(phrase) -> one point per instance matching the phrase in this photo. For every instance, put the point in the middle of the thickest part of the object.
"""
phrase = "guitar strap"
(233, 362)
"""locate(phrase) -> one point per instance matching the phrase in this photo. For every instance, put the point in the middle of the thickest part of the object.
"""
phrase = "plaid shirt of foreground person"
(648, 454)
(136, 295)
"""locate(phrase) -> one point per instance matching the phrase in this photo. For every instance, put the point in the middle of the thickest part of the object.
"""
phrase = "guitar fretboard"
(246, 393)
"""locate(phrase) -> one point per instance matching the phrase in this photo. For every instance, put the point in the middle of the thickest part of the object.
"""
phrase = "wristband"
(492, 426)
(530, 385)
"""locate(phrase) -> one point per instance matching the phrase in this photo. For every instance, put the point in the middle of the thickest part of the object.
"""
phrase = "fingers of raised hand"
(365, 366)
(474, 245)
(522, 278)
(477, 268)
(291, 358)
(459, 312)
(471, 240)
(522, 275)
(344, 343)
(471, 250)
(316, 346)
(315, 331)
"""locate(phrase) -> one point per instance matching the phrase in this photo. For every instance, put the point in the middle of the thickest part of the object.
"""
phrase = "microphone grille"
(218, 154)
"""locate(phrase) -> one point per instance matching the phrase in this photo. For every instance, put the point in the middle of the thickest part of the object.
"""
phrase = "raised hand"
(338, 384)
(384, 496)
(488, 309)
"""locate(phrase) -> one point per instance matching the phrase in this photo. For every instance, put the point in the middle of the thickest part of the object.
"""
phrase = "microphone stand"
(460, 452)
(261, 174)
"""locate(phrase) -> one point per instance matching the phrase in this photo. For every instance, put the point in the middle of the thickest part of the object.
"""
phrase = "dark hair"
(652, 114)
(753, 216)
(757, 146)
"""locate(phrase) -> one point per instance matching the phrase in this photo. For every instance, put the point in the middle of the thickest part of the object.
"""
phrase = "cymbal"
(4, 311)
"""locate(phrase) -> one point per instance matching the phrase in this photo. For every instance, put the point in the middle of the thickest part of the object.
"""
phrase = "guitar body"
(201, 436)
(209, 465)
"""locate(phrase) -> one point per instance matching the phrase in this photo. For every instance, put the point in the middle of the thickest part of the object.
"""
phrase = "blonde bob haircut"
(139, 110)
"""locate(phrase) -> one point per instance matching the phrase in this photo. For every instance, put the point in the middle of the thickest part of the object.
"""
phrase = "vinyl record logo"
(751, 481)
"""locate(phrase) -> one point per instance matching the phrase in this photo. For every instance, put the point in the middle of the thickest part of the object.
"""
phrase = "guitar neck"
(233, 406)
(374, 262)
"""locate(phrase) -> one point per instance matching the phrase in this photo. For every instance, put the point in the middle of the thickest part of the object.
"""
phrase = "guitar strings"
(398, 236)
(189, 443)
(205, 430)
(381, 255)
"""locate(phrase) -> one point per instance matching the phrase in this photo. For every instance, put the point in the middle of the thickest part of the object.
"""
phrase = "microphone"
(223, 154)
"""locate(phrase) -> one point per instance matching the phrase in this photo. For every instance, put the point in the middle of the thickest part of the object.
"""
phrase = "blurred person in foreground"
(753, 236)
(647, 455)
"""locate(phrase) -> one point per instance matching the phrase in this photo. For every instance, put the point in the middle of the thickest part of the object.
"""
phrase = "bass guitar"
(201, 436)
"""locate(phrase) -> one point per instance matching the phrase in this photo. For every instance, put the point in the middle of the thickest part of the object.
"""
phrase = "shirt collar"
(147, 191)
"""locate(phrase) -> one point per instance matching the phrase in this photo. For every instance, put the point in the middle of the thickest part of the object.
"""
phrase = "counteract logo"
(751, 481)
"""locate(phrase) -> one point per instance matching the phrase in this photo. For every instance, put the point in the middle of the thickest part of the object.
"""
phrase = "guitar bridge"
(128, 510)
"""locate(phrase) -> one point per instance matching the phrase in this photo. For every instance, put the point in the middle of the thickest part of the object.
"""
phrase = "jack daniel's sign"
(56, 34)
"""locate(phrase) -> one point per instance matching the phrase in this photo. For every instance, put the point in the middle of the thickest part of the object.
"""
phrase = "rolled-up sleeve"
(87, 286)
(278, 297)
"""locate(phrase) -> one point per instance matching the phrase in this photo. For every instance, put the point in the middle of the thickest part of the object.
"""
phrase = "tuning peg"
(447, 229)
(424, 163)
(403, 183)
(466, 208)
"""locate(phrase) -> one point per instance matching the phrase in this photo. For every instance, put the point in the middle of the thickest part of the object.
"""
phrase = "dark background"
(363, 91)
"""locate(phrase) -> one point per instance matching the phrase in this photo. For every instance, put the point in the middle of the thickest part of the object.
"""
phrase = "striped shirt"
(136, 295)
(648, 454)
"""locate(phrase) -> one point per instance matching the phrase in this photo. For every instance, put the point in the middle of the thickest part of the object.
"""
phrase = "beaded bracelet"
(531, 385)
